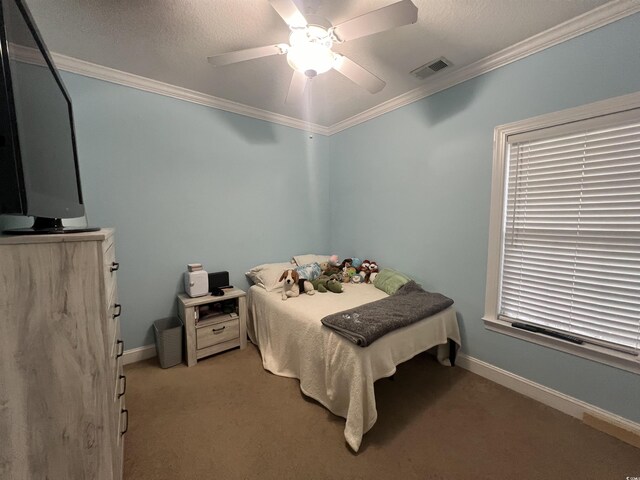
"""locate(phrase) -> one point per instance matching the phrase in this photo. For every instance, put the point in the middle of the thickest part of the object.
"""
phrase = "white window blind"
(571, 231)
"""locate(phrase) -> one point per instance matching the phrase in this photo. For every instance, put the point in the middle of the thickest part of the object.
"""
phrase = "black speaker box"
(218, 280)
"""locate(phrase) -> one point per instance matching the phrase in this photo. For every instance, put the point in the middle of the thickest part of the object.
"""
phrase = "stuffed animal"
(334, 286)
(326, 283)
(293, 284)
(357, 278)
(346, 263)
(367, 268)
(320, 283)
(348, 273)
(364, 267)
(332, 267)
(330, 270)
(344, 270)
(373, 272)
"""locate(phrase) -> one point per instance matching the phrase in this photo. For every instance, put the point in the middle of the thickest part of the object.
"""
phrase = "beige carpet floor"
(227, 418)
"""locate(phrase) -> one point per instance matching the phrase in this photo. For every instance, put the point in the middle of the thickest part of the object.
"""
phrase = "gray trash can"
(168, 341)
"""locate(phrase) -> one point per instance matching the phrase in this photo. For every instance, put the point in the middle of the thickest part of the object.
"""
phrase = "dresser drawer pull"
(120, 348)
(126, 425)
(124, 385)
(216, 331)
(119, 308)
(114, 266)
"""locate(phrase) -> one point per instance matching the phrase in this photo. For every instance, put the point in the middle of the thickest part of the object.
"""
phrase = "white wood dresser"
(62, 410)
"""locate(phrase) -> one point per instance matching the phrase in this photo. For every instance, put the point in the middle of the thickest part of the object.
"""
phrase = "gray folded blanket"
(365, 324)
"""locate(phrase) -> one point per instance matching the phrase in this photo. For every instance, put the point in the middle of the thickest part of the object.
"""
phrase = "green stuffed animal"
(320, 283)
(333, 285)
(325, 283)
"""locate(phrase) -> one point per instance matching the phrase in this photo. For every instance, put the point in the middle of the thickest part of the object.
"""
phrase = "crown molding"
(591, 20)
(99, 72)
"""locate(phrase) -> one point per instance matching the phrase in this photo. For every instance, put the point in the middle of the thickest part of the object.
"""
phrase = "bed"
(332, 370)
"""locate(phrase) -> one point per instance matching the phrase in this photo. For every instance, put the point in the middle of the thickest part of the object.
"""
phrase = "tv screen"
(38, 159)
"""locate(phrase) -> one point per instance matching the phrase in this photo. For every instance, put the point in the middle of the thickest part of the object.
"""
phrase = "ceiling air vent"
(430, 68)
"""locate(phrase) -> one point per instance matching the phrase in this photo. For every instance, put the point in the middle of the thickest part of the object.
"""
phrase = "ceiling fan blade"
(289, 12)
(243, 55)
(358, 74)
(385, 18)
(296, 88)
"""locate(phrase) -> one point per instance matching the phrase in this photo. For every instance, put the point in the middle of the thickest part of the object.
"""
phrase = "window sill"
(596, 353)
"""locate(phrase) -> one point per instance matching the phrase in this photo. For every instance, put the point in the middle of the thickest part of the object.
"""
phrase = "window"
(564, 255)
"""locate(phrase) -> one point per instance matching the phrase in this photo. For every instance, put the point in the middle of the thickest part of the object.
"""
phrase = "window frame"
(501, 134)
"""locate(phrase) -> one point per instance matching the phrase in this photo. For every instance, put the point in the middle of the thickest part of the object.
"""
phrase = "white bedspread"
(331, 369)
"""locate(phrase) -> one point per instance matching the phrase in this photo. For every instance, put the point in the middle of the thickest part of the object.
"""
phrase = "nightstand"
(213, 324)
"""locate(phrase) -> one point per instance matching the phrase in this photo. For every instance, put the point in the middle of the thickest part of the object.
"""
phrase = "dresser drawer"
(119, 381)
(218, 333)
(116, 398)
(119, 424)
(116, 347)
(114, 310)
(109, 270)
(123, 421)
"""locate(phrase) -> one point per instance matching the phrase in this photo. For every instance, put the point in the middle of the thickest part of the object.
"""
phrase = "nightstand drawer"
(218, 333)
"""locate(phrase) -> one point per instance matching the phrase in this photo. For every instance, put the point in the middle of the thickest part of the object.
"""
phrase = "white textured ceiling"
(170, 40)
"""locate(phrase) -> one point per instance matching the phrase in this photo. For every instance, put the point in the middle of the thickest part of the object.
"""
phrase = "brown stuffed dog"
(293, 284)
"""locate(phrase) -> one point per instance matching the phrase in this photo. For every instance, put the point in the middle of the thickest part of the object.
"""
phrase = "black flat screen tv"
(39, 175)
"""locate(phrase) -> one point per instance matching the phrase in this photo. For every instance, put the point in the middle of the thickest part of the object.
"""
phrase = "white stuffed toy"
(293, 284)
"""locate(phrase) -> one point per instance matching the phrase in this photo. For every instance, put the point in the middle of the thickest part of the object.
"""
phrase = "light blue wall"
(412, 190)
(184, 183)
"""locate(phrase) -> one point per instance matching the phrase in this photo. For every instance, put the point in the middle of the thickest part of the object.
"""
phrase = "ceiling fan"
(309, 52)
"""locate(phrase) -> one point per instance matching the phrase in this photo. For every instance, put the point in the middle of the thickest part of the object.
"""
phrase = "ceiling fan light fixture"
(310, 58)
(312, 37)
(310, 33)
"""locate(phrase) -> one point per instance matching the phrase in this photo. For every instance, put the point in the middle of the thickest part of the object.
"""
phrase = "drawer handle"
(126, 425)
(124, 385)
(119, 308)
(216, 331)
(114, 267)
(120, 348)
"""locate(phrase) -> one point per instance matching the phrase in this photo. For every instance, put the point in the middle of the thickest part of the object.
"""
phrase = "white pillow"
(310, 258)
(268, 275)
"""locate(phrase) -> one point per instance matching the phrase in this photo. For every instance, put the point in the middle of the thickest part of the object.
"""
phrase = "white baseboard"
(552, 398)
(138, 354)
